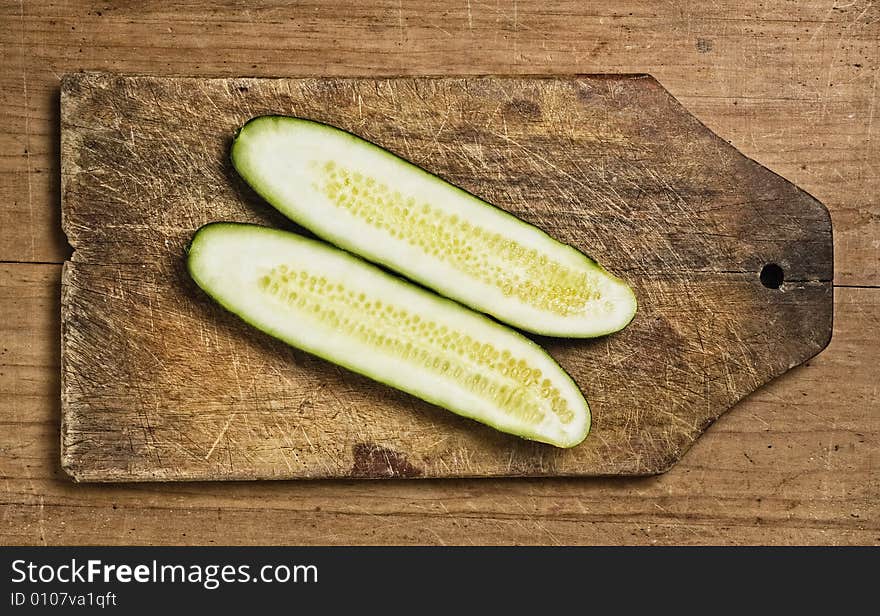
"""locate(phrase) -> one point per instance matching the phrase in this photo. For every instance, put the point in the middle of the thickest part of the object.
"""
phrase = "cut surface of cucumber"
(369, 201)
(334, 305)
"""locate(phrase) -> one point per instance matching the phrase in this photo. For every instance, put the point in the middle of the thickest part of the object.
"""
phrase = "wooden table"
(791, 84)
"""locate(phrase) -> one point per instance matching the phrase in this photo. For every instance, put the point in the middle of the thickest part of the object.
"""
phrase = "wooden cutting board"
(158, 383)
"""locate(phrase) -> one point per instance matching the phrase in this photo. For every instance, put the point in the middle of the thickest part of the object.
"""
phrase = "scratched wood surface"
(791, 83)
(160, 383)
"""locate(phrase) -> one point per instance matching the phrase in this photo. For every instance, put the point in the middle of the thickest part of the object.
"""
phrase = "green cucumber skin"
(447, 288)
(193, 250)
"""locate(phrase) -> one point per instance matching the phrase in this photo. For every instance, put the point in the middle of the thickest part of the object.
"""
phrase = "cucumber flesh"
(329, 303)
(365, 199)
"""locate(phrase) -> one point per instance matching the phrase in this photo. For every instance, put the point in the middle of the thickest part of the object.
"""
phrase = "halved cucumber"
(337, 306)
(370, 202)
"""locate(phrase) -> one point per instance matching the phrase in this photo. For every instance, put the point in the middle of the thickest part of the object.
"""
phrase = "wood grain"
(159, 383)
(792, 84)
(796, 462)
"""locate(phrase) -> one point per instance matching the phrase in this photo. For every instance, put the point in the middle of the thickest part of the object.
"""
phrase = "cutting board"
(732, 266)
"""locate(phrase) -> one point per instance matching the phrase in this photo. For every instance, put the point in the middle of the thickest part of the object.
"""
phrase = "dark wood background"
(791, 84)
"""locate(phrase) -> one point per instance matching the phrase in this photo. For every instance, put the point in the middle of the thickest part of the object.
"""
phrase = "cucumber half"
(336, 306)
(369, 201)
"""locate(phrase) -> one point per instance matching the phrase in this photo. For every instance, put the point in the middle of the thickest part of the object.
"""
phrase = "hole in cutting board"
(772, 276)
